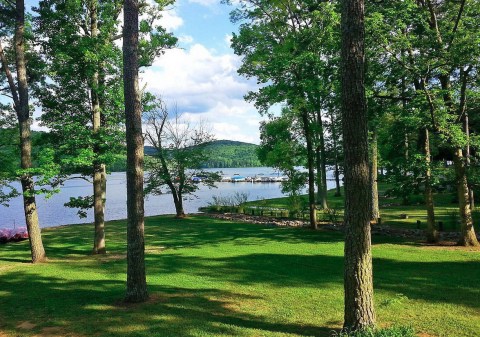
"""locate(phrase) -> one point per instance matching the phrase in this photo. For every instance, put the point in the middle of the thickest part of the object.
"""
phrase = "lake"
(52, 212)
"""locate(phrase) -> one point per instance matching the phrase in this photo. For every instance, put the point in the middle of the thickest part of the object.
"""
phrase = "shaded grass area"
(209, 277)
(391, 209)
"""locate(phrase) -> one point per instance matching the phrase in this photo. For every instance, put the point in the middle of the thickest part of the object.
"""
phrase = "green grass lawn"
(214, 278)
(390, 209)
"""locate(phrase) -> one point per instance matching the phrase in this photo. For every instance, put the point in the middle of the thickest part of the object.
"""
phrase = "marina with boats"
(258, 178)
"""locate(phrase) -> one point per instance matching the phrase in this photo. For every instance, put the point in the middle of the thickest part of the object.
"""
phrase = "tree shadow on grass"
(200, 230)
(92, 308)
(436, 282)
(429, 281)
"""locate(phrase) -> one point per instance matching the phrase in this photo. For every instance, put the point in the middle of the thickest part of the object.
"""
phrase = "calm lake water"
(53, 213)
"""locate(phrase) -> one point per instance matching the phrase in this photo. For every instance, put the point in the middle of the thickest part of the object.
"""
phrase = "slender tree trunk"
(98, 167)
(374, 177)
(471, 195)
(23, 114)
(338, 191)
(323, 164)
(406, 199)
(311, 171)
(318, 163)
(432, 234)
(136, 275)
(359, 310)
(467, 232)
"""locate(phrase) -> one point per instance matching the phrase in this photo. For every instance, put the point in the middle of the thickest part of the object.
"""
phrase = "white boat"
(238, 178)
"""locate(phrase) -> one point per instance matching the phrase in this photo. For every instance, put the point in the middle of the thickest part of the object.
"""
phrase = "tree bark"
(467, 232)
(178, 201)
(432, 233)
(374, 177)
(323, 163)
(321, 197)
(98, 168)
(338, 191)
(466, 126)
(311, 170)
(136, 276)
(358, 279)
(23, 115)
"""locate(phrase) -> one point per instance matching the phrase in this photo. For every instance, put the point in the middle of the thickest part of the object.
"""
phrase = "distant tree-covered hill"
(226, 153)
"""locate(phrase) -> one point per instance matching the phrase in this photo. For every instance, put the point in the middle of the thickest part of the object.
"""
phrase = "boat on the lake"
(238, 178)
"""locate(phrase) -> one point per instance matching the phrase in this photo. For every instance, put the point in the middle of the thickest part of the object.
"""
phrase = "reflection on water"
(53, 213)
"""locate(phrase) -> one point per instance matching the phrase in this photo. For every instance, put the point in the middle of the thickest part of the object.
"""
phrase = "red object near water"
(15, 234)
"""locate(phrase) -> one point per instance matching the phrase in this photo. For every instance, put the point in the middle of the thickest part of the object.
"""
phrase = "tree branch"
(9, 75)
(457, 21)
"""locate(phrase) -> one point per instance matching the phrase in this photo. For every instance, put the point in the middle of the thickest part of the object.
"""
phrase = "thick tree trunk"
(374, 177)
(178, 202)
(23, 114)
(98, 168)
(359, 310)
(136, 275)
(432, 234)
(179, 208)
(467, 232)
(311, 171)
(99, 195)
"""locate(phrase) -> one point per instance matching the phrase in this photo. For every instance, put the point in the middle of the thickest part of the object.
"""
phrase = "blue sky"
(200, 76)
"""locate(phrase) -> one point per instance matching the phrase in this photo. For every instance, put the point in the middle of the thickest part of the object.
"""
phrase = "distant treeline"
(221, 153)
(226, 153)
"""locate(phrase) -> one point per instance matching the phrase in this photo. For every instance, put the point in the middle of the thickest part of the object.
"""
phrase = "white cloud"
(228, 39)
(207, 3)
(205, 85)
(171, 20)
(185, 39)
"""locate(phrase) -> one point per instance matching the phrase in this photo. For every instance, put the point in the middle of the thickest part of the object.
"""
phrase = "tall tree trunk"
(467, 232)
(406, 199)
(358, 278)
(98, 168)
(406, 144)
(471, 195)
(311, 170)
(432, 234)
(136, 275)
(323, 163)
(338, 191)
(23, 114)
(321, 198)
(374, 177)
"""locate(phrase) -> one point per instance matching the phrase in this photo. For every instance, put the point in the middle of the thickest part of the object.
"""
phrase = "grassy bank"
(392, 210)
(212, 278)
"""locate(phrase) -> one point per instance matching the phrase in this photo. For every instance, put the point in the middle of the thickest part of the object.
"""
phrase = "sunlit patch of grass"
(210, 277)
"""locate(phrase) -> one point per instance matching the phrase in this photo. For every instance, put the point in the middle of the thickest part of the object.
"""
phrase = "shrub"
(396, 331)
